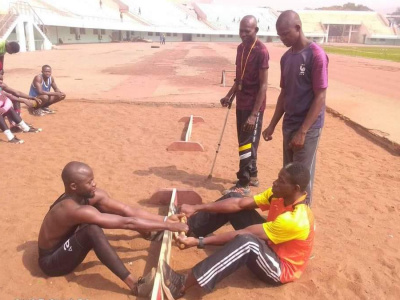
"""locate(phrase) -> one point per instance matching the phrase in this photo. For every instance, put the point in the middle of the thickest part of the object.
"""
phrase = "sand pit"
(357, 182)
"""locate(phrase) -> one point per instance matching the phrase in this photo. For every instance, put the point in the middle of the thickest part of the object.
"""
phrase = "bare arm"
(315, 109)
(232, 90)
(225, 101)
(106, 204)
(54, 86)
(262, 92)
(16, 93)
(279, 111)
(223, 238)
(298, 139)
(89, 215)
(230, 205)
(15, 99)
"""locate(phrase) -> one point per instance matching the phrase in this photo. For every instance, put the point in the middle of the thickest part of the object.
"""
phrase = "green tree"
(396, 13)
(348, 6)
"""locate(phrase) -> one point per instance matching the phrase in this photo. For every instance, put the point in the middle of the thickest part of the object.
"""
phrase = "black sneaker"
(48, 110)
(253, 182)
(145, 284)
(173, 283)
(36, 112)
(15, 129)
(16, 140)
(155, 236)
(244, 190)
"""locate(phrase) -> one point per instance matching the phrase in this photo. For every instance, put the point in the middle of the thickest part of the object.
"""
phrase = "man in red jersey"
(275, 249)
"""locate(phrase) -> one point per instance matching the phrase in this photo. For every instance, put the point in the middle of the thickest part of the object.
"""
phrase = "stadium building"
(39, 24)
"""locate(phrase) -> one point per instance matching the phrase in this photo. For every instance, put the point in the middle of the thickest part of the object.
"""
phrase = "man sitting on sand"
(73, 226)
(7, 110)
(19, 97)
(41, 88)
(276, 250)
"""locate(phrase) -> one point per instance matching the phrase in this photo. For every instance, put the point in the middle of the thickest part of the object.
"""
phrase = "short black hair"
(299, 174)
(14, 47)
(45, 66)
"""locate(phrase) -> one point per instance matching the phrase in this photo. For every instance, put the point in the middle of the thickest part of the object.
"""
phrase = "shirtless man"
(41, 88)
(73, 227)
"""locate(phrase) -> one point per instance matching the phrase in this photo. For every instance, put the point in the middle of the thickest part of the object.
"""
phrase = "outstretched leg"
(16, 118)
(72, 252)
(204, 223)
(10, 136)
(245, 249)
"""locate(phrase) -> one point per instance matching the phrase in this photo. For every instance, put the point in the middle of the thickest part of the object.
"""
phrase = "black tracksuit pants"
(244, 249)
(248, 145)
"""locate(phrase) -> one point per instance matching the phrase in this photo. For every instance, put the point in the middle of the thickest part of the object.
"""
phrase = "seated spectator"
(41, 88)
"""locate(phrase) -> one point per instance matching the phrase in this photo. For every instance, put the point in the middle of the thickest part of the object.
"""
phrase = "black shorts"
(62, 259)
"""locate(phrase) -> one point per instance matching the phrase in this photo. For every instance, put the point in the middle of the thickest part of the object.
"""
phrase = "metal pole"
(222, 133)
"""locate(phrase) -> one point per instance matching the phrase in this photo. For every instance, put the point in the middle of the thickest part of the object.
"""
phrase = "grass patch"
(390, 53)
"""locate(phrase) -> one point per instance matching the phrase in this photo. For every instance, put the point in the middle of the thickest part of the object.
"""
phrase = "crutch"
(222, 133)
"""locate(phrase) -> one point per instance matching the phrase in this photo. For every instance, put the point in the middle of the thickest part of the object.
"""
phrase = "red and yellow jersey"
(290, 230)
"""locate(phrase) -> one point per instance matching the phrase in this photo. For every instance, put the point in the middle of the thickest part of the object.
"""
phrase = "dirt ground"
(124, 103)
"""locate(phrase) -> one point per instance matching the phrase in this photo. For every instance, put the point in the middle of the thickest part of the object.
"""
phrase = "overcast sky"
(383, 6)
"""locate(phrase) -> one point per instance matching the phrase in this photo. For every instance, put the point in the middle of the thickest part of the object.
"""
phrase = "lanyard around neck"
(241, 61)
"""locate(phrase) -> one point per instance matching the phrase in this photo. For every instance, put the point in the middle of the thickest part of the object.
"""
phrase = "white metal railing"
(5, 22)
(24, 8)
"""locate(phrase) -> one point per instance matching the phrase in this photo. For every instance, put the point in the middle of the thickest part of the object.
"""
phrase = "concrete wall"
(155, 36)
(68, 36)
(72, 35)
(88, 35)
(319, 40)
(225, 38)
(390, 42)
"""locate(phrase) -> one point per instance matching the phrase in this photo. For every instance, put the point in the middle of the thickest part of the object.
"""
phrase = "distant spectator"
(7, 110)
(17, 98)
(41, 88)
(163, 39)
(140, 11)
(121, 16)
(101, 4)
(7, 47)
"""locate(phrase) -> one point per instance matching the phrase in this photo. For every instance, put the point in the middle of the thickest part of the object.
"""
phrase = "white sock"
(23, 126)
(8, 134)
